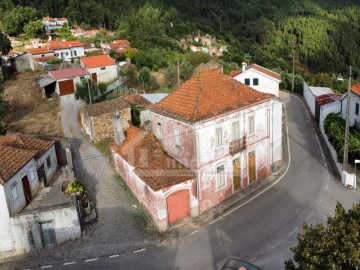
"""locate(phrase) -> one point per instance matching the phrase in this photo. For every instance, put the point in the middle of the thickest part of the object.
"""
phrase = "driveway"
(120, 226)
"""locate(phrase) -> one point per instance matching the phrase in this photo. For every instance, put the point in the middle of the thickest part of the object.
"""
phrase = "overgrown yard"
(28, 112)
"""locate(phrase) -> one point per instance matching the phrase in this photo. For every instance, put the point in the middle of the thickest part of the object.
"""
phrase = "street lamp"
(293, 73)
(346, 143)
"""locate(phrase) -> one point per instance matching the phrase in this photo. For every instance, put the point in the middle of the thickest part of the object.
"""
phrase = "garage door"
(178, 205)
(66, 87)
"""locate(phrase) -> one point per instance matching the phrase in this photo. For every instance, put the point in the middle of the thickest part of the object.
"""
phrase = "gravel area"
(120, 226)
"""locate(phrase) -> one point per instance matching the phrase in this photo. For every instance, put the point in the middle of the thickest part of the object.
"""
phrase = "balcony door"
(236, 173)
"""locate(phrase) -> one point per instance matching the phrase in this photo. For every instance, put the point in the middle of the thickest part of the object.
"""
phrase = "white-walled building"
(53, 23)
(214, 136)
(66, 79)
(67, 49)
(29, 217)
(354, 110)
(101, 67)
(259, 78)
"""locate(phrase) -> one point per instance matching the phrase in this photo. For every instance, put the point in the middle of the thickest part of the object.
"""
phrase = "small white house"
(36, 42)
(67, 49)
(101, 67)
(354, 110)
(66, 79)
(53, 23)
(259, 78)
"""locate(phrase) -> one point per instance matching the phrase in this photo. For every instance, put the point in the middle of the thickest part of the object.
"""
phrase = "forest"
(323, 35)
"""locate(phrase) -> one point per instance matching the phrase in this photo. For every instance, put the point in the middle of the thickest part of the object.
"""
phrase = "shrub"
(75, 187)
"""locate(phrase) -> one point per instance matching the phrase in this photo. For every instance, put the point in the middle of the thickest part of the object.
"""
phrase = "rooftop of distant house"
(207, 94)
(68, 73)
(47, 18)
(261, 69)
(97, 61)
(328, 98)
(106, 107)
(138, 100)
(144, 152)
(356, 89)
(41, 50)
(16, 150)
(58, 45)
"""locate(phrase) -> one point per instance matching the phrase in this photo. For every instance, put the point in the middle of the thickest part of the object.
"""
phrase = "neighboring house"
(36, 42)
(259, 78)
(53, 23)
(67, 49)
(101, 67)
(65, 80)
(41, 52)
(29, 217)
(354, 110)
(119, 46)
(227, 134)
(97, 119)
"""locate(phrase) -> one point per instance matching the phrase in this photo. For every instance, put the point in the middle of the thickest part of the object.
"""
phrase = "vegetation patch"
(104, 147)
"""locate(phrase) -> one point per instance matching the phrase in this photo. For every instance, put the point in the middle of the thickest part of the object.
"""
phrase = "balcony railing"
(237, 145)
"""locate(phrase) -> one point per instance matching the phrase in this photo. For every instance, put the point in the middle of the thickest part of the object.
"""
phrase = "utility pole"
(346, 143)
(178, 71)
(89, 90)
(293, 74)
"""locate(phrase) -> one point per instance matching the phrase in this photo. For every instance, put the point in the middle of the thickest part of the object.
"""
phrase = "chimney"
(244, 66)
(119, 135)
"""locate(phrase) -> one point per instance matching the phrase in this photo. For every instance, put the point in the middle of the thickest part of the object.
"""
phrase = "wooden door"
(27, 190)
(252, 167)
(236, 173)
(94, 76)
(66, 87)
(178, 205)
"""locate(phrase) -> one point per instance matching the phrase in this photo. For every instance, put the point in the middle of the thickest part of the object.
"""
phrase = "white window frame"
(219, 139)
(251, 128)
(14, 191)
(177, 137)
(219, 175)
(235, 131)
(32, 173)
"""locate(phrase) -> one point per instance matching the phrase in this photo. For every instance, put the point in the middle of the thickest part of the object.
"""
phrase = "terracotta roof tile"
(58, 45)
(356, 89)
(106, 107)
(68, 73)
(41, 50)
(26, 142)
(137, 100)
(205, 95)
(144, 152)
(97, 61)
(12, 160)
(234, 72)
(328, 98)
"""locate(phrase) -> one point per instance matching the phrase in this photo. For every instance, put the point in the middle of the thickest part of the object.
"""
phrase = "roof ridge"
(197, 96)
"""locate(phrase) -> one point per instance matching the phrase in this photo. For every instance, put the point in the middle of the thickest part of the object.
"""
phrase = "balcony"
(237, 145)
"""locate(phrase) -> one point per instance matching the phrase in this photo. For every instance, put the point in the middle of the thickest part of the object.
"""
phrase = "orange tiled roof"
(144, 152)
(266, 71)
(12, 160)
(106, 107)
(328, 98)
(205, 95)
(97, 61)
(234, 72)
(356, 89)
(40, 50)
(137, 100)
(58, 45)
(26, 142)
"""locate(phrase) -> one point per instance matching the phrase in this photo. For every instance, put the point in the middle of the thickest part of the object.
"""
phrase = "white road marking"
(193, 232)
(325, 165)
(309, 216)
(322, 153)
(46, 266)
(321, 199)
(327, 186)
(215, 220)
(114, 256)
(68, 263)
(328, 177)
(140, 250)
(277, 181)
(294, 231)
(253, 259)
(274, 246)
(91, 260)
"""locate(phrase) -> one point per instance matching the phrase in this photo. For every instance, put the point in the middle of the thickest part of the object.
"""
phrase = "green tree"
(186, 70)
(129, 73)
(197, 58)
(5, 44)
(170, 74)
(17, 18)
(335, 246)
(85, 89)
(35, 29)
(3, 109)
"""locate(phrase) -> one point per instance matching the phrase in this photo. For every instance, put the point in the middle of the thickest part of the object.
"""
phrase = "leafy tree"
(35, 29)
(335, 246)
(186, 70)
(2, 130)
(129, 73)
(144, 76)
(17, 18)
(3, 109)
(135, 115)
(85, 89)
(197, 58)
(5, 44)
(170, 74)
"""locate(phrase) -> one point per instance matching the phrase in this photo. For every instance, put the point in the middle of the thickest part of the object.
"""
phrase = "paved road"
(262, 230)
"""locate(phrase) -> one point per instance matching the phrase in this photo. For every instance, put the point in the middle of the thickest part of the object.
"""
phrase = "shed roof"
(328, 98)
(68, 73)
(138, 100)
(319, 91)
(97, 61)
(106, 107)
(207, 94)
(143, 151)
(154, 98)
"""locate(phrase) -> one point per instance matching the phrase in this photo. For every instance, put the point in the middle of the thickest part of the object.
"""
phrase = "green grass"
(167, 89)
(142, 219)
(104, 147)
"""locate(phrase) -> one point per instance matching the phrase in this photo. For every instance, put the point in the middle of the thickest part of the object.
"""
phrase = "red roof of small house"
(97, 61)
(356, 89)
(45, 58)
(137, 100)
(68, 73)
(328, 98)
(143, 151)
(106, 107)
(41, 50)
(207, 94)
(263, 70)
(234, 72)
(58, 45)
(62, 19)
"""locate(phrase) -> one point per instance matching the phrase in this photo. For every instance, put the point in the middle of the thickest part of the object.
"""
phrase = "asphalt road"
(262, 230)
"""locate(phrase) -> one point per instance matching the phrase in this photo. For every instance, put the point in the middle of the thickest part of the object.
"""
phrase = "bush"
(75, 187)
